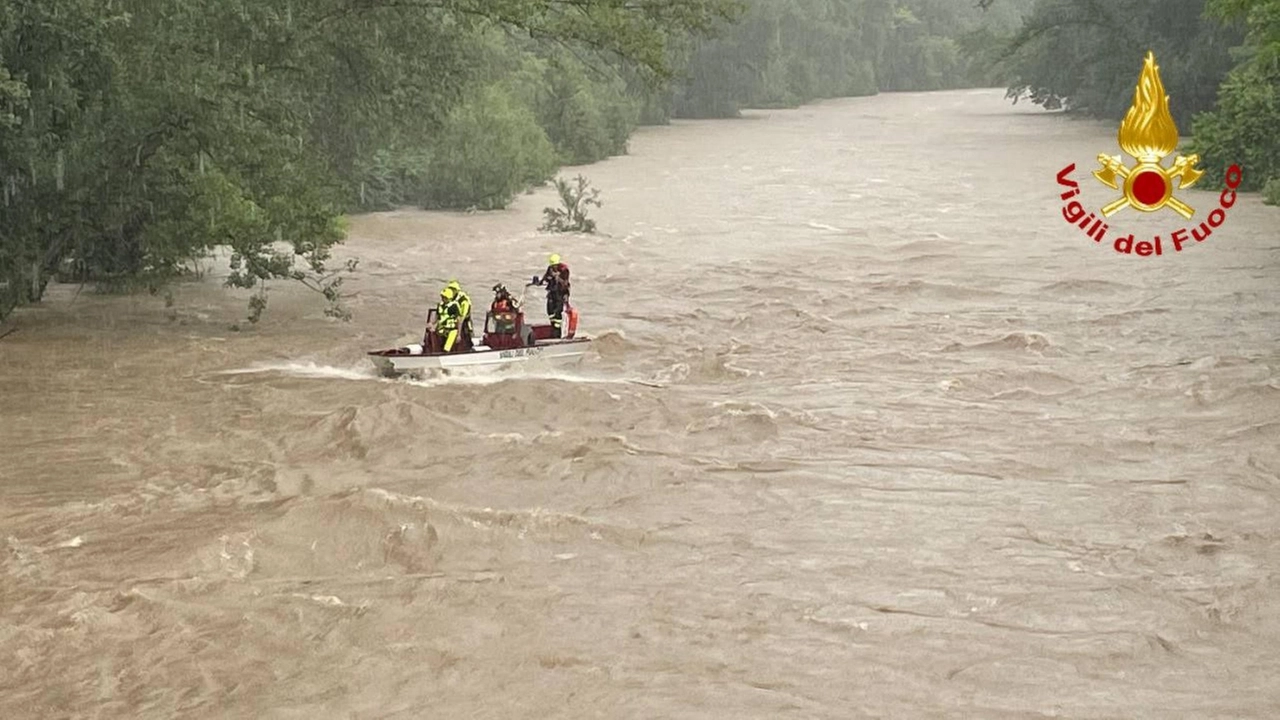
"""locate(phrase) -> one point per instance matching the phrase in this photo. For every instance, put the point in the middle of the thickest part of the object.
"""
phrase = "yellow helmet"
(453, 285)
(447, 293)
(553, 259)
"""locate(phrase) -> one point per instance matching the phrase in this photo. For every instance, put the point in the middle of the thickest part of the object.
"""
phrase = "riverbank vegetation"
(138, 135)
(1220, 60)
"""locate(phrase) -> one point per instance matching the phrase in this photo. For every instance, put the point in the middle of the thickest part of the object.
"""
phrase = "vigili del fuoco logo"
(1148, 135)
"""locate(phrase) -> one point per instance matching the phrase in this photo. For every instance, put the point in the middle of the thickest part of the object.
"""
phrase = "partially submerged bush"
(1271, 192)
(573, 217)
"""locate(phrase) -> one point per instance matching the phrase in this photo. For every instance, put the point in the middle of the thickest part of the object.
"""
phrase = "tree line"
(138, 135)
(1219, 59)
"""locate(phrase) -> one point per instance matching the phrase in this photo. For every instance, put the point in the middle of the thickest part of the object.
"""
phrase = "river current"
(869, 430)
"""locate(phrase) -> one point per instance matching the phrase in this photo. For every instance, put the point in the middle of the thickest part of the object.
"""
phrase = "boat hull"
(413, 359)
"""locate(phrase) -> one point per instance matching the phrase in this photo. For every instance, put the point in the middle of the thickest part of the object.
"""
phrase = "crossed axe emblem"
(1112, 167)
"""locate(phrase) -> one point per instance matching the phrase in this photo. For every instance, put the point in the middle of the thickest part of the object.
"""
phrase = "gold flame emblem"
(1149, 135)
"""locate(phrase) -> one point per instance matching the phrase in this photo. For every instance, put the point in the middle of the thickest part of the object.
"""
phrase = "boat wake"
(458, 376)
(306, 370)
(495, 376)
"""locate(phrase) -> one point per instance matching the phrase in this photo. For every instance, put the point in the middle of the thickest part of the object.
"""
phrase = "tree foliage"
(1242, 128)
(137, 135)
(1085, 55)
(1219, 58)
(786, 52)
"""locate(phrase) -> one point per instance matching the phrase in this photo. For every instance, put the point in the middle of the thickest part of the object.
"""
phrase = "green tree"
(489, 149)
(1243, 127)
(1085, 55)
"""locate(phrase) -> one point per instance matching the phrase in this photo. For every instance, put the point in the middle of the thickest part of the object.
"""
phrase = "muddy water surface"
(903, 444)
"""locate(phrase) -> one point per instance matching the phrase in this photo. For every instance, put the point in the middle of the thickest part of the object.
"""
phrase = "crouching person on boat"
(506, 313)
(450, 319)
(503, 309)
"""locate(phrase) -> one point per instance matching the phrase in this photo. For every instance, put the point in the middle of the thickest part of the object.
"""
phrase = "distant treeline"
(1219, 60)
(782, 53)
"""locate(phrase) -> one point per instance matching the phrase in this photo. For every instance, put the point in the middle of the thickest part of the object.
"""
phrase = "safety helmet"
(499, 288)
(447, 293)
(453, 285)
(553, 259)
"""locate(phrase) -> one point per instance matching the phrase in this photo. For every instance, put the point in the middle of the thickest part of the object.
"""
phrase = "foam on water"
(305, 369)
(459, 376)
(480, 376)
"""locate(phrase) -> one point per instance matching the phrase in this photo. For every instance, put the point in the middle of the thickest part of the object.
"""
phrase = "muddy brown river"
(868, 431)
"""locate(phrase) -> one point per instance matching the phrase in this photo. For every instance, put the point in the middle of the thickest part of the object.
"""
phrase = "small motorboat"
(507, 339)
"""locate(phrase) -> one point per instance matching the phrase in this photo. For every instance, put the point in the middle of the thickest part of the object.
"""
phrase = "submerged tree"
(572, 216)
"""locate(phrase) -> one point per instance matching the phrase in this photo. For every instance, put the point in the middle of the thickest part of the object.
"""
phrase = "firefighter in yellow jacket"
(464, 304)
(452, 315)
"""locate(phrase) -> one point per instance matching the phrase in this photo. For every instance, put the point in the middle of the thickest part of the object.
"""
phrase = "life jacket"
(449, 313)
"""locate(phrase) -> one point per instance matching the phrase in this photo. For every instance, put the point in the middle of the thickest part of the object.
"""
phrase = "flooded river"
(869, 431)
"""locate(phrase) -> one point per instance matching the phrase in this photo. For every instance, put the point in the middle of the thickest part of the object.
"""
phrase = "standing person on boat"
(464, 305)
(449, 317)
(556, 279)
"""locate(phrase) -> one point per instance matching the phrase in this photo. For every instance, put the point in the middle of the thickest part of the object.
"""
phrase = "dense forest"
(138, 135)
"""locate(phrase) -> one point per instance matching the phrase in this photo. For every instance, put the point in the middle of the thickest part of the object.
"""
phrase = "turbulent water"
(869, 431)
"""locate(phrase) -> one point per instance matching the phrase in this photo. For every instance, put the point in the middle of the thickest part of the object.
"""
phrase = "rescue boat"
(507, 339)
